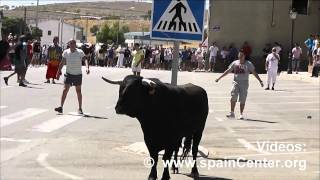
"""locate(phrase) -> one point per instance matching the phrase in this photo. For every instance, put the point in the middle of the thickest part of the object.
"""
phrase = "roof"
(137, 34)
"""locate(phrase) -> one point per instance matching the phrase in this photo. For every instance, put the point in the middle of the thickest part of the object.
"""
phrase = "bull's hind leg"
(153, 172)
(196, 141)
(166, 158)
(174, 168)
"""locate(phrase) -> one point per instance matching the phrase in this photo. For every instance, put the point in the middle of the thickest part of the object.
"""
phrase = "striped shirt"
(73, 61)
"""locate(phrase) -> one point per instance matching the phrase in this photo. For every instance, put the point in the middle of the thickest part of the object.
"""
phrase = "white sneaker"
(231, 115)
(241, 117)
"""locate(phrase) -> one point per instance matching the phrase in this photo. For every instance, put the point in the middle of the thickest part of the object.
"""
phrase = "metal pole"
(87, 25)
(1, 17)
(59, 28)
(25, 20)
(62, 20)
(175, 63)
(37, 14)
(289, 71)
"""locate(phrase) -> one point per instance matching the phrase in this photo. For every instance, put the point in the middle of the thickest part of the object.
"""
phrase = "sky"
(34, 2)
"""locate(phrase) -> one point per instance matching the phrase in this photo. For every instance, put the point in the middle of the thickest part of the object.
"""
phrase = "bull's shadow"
(205, 177)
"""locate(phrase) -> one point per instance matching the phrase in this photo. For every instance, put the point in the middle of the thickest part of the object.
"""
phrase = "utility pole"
(87, 26)
(37, 14)
(62, 20)
(25, 20)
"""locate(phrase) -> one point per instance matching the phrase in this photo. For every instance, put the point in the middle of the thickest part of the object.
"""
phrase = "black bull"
(167, 114)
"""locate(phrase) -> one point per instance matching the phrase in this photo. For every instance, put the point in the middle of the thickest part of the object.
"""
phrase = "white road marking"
(3, 107)
(42, 160)
(5, 87)
(20, 115)
(228, 97)
(229, 129)
(55, 123)
(251, 147)
(15, 140)
(279, 110)
(273, 103)
(219, 119)
(274, 154)
(7, 154)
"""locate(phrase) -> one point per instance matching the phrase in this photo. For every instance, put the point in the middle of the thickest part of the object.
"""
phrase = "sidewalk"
(304, 76)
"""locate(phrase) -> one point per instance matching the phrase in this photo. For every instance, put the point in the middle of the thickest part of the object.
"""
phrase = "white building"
(51, 28)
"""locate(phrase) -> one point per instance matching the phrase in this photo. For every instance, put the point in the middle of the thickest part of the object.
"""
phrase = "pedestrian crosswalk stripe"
(55, 123)
(20, 115)
(178, 19)
(3, 107)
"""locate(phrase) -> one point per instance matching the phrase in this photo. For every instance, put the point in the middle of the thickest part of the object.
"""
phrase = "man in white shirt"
(272, 62)
(296, 54)
(213, 55)
(73, 58)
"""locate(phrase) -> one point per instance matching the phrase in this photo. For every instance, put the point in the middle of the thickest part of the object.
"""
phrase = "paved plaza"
(38, 144)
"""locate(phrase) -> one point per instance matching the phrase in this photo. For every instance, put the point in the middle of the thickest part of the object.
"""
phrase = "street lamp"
(293, 17)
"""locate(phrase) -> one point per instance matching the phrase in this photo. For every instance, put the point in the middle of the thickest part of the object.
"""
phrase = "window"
(300, 6)
(49, 33)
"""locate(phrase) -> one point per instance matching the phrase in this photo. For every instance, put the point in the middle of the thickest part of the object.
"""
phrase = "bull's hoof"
(165, 178)
(152, 178)
(195, 174)
(175, 170)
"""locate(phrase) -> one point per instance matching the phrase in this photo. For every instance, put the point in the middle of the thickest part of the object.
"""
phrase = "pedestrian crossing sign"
(178, 20)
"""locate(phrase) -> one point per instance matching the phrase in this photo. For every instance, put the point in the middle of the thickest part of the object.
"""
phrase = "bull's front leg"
(153, 172)
(166, 158)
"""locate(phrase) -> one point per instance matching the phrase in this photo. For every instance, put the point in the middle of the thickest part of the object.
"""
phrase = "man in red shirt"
(246, 50)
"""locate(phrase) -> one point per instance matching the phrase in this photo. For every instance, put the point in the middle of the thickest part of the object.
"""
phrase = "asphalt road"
(36, 143)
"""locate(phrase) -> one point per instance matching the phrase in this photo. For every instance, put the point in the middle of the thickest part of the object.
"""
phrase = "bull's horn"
(111, 82)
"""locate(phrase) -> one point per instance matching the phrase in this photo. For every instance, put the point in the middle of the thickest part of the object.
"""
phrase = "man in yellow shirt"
(138, 57)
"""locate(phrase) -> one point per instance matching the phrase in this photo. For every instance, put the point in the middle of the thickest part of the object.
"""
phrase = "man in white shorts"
(241, 69)
(137, 59)
(272, 62)
(73, 58)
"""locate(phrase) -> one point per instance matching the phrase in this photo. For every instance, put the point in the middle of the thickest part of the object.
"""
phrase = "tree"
(125, 29)
(94, 29)
(36, 33)
(112, 34)
(16, 26)
(103, 35)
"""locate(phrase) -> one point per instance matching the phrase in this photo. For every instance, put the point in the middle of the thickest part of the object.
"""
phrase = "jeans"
(295, 64)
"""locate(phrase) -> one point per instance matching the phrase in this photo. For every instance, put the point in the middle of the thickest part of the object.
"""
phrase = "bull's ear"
(151, 86)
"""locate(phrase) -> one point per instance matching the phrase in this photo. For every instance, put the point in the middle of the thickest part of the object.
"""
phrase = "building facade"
(262, 21)
(51, 28)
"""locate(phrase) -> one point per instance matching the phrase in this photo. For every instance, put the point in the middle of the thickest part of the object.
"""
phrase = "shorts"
(136, 69)
(73, 80)
(213, 59)
(239, 89)
(36, 56)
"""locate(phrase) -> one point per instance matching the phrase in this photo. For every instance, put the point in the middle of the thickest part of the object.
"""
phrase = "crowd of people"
(154, 57)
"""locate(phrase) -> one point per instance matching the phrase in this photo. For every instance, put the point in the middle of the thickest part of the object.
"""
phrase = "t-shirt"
(137, 56)
(316, 41)
(73, 61)
(309, 43)
(54, 52)
(296, 52)
(224, 54)
(273, 61)
(213, 51)
(241, 71)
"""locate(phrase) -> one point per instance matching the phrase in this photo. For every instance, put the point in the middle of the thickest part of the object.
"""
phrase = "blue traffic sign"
(178, 20)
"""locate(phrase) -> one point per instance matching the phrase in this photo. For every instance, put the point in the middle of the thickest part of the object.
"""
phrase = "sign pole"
(175, 63)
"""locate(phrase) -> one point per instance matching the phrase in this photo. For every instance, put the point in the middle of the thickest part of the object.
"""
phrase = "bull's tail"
(186, 147)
